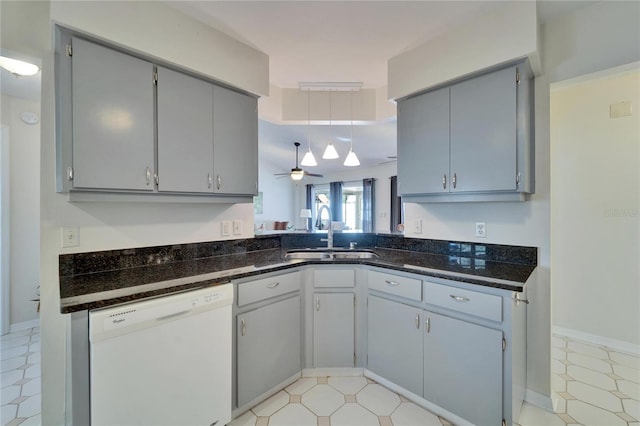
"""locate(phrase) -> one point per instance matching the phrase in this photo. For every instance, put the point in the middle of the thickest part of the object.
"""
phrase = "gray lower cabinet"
(268, 347)
(235, 142)
(113, 120)
(333, 330)
(463, 368)
(395, 342)
(185, 133)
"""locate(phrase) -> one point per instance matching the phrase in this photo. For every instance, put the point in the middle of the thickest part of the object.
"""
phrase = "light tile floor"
(593, 385)
(20, 399)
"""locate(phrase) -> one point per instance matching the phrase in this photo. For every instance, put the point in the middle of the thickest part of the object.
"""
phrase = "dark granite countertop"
(93, 280)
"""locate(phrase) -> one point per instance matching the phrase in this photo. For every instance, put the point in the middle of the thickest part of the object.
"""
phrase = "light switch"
(417, 226)
(70, 236)
(225, 230)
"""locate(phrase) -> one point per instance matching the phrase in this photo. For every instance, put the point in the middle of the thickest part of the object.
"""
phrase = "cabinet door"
(463, 368)
(185, 133)
(112, 110)
(483, 132)
(423, 143)
(268, 347)
(333, 330)
(235, 142)
(395, 342)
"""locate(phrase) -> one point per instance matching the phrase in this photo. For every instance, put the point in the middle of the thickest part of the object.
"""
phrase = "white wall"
(277, 198)
(380, 173)
(595, 200)
(506, 33)
(156, 29)
(24, 207)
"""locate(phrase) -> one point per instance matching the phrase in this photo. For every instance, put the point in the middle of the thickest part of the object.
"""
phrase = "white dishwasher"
(163, 361)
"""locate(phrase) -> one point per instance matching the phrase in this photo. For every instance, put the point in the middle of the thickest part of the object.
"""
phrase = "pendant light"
(309, 160)
(330, 153)
(352, 158)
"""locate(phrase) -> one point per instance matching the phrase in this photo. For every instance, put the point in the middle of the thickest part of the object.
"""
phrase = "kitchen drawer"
(334, 278)
(264, 288)
(409, 288)
(469, 302)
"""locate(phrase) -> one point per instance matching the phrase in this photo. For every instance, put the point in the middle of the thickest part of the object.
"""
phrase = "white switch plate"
(237, 227)
(225, 229)
(621, 109)
(417, 226)
(70, 235)
(481, 229)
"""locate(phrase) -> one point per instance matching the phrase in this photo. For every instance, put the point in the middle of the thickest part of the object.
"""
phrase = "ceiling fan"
(297, 173)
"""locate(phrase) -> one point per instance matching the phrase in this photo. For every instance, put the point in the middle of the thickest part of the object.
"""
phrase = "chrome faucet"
(329, 238)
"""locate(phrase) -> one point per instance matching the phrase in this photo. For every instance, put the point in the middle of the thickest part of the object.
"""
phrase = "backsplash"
(114, 260)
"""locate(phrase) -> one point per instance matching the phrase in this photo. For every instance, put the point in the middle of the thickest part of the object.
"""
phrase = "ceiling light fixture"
(330, 153)
(308, 159)
(352, 158)
(18, 68)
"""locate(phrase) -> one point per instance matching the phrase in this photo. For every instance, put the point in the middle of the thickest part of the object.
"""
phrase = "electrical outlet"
(417, 226)
(481, 229)
(70, 236)
(237, 227)
(225, 230)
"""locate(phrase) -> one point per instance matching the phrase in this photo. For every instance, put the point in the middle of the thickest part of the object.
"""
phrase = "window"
(352, 206)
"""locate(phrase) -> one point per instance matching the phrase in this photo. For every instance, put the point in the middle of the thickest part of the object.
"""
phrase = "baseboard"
(24, 325)
(332, 371)
(244, 408)
(618, 345)
(539, 400)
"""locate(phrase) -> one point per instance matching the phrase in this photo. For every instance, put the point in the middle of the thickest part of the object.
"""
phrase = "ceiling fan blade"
(282, 174)
(312, 174)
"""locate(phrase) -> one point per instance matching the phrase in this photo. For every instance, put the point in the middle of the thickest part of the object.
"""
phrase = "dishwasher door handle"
(174, 315)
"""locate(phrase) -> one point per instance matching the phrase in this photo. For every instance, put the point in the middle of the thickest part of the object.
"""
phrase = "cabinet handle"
(444, 181)
(392, 283)
(459, 298)
(244, 326)
(70, 173)
(209, 181)
(517, 299)
(428, 324)
(455, 180)
(273, 285)
(418, 321)
(317, 303)
(148, 176)
(219, 181)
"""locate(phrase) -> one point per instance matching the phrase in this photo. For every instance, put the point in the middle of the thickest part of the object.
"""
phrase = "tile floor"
(593, 385)
(20, 400)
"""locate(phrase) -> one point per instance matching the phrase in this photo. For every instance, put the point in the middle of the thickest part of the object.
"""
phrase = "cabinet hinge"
(69, 50)
(517, 76)
(504, 344)
(155, 78)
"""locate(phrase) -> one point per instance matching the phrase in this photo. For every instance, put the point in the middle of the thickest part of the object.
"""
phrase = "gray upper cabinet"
(470, 141)
(483, 133)
(113, 127)
(128, 126)
(423, 155)
(185, 133)
(235, 142)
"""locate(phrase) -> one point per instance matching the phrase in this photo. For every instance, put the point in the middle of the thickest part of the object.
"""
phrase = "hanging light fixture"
(308, 159)
(352, 158)
(330, 153)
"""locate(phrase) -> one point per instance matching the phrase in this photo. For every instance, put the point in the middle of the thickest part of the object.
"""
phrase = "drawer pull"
(392, 283)
(317, 303)
(273, 285)
(459, 298)
(244, 326)
(518, 300)
(417, 321)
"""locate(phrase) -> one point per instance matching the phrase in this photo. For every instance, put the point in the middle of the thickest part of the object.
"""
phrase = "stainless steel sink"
(330, 254)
